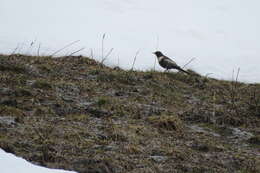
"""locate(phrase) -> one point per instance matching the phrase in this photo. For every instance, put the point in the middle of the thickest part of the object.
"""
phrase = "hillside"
(76, 114)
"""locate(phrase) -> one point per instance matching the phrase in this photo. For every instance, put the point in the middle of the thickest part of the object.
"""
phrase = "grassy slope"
(73, 113)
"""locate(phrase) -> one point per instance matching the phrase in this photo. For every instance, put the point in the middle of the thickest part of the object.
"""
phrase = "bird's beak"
(153, 52)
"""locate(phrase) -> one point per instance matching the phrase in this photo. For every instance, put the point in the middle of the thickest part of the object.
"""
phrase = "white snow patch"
(11, 164)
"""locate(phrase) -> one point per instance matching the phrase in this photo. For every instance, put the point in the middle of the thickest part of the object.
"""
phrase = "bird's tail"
(183, 70)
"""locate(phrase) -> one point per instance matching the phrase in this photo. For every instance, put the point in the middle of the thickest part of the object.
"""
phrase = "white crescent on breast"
(160, 58)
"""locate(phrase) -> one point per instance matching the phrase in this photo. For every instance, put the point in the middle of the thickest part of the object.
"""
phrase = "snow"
(221, 35)
(12, 164)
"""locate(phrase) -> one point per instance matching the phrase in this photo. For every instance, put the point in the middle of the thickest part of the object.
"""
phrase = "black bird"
(167, 63)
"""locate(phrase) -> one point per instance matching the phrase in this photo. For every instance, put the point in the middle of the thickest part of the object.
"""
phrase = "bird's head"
(158, 53)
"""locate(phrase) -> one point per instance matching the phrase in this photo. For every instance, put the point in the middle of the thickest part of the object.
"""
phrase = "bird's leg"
(167, 70)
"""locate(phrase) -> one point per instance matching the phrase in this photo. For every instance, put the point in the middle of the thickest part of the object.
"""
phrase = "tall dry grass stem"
(189, 62)
(107, 55)
(132, 68)
(77, 51)
(38, 50)
(15, 49)
(103, 56)
(156, 48)
(68, 45)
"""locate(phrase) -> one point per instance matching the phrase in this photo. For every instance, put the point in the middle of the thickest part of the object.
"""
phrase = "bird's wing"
(170, 62)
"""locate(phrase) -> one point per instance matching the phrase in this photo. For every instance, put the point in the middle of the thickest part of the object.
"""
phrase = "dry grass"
(70, 113)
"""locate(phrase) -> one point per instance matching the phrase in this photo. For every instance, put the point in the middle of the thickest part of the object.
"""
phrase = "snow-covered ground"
(12, 164)
(221, 35)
